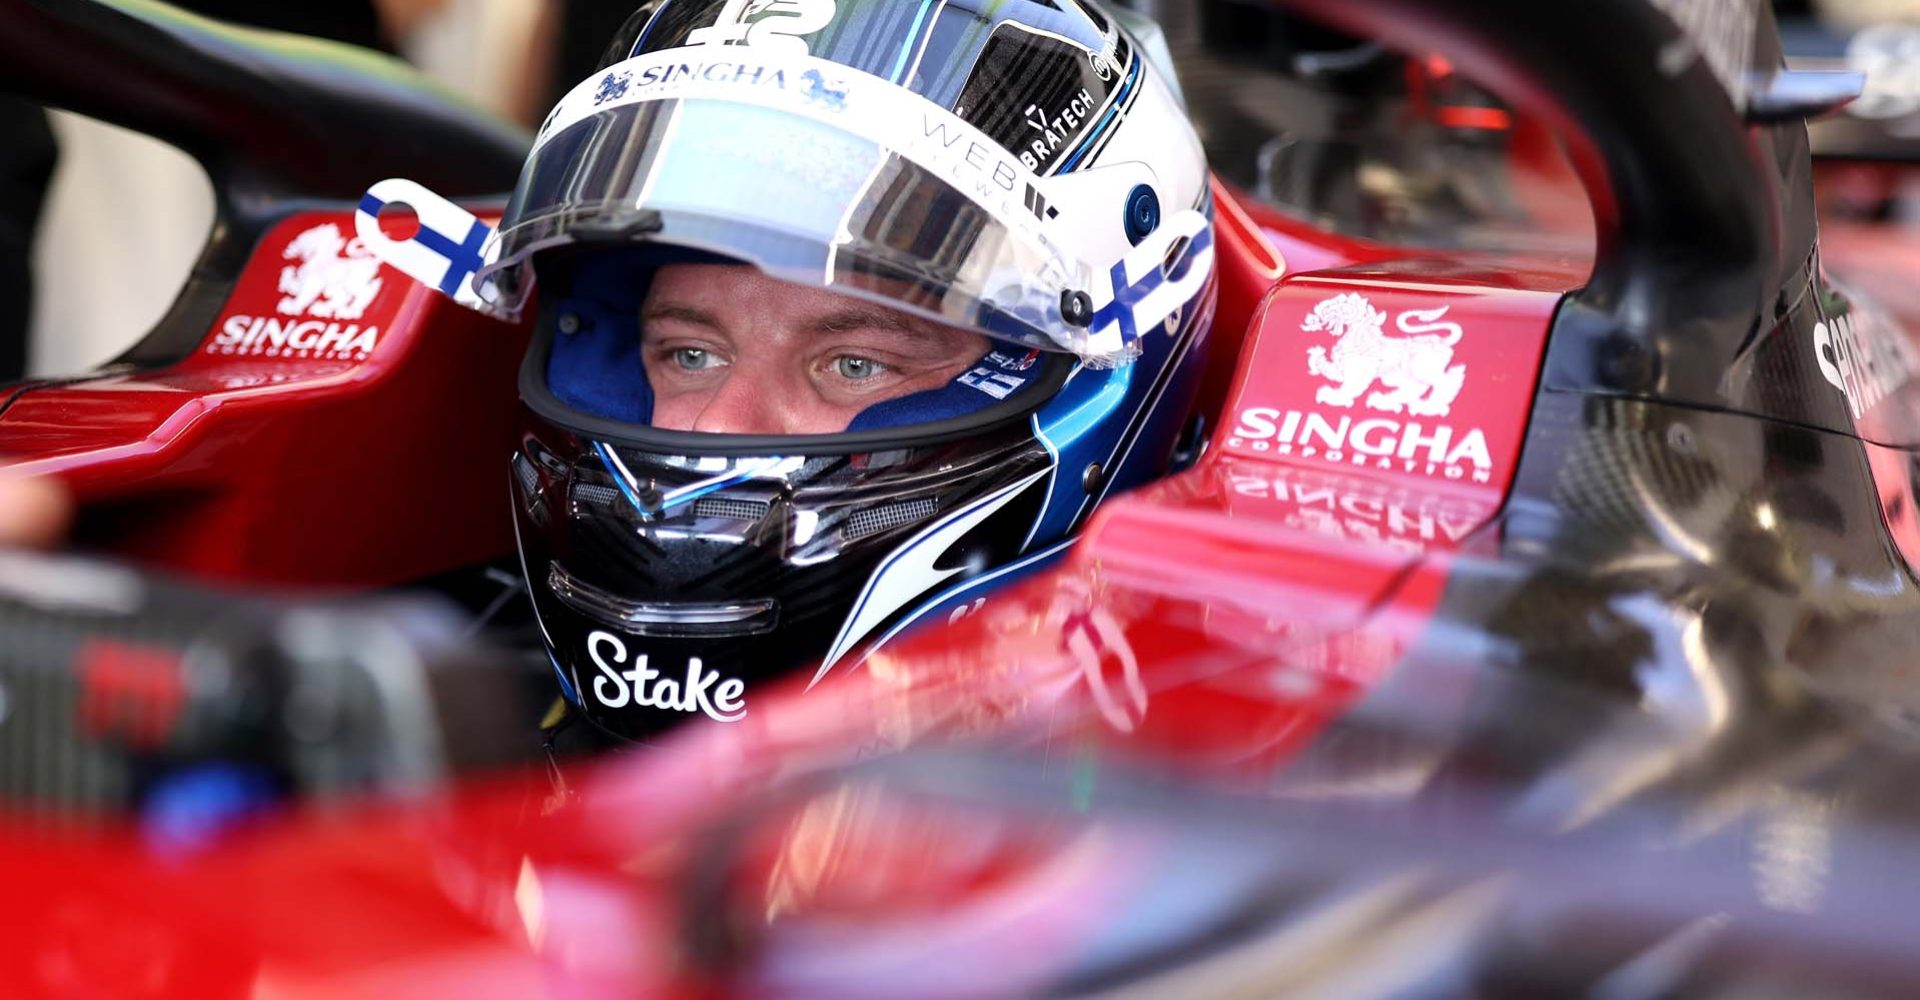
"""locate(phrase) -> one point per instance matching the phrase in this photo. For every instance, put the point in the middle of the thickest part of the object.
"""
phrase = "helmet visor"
(949, 229)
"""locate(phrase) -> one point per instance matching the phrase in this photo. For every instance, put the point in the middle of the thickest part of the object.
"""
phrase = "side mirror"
(1798, 94)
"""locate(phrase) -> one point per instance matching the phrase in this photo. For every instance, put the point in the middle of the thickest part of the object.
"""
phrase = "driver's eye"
(856, 369)
(693, 359)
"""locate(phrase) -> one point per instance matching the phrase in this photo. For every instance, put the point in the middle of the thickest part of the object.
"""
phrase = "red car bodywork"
(253, 460)
(1208, 622)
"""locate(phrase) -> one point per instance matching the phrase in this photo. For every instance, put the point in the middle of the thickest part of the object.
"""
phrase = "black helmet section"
(671, 588)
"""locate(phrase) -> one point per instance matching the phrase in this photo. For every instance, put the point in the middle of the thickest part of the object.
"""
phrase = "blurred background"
(1292, 116)
(85, 205)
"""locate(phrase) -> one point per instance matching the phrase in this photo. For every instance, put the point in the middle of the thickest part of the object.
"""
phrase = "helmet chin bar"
(762, 576)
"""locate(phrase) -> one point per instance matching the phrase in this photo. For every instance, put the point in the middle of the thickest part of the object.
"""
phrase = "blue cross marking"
(1125, 298)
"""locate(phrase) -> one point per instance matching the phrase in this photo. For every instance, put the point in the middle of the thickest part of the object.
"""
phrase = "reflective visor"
(811, 171)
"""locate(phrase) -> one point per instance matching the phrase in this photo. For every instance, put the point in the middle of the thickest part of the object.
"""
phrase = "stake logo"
(1416, 370)
(698, 690)
(1037, 204)
(330, 285)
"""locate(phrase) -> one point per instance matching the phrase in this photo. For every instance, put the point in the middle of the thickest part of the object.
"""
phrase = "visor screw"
(1076, 308)
(1143, 214)
(569, 324)
(1680, 439)
(1090, 480)
(651, 500)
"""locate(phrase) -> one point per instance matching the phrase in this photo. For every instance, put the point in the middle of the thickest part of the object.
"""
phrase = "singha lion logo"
(1416, 370)
(822, 92)
(336, 278)
(613, 87)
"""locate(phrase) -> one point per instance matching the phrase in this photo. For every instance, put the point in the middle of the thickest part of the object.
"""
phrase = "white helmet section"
(1156, 139)
(1073, 274)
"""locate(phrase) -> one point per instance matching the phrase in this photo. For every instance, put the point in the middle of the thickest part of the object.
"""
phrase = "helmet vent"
(874, 520)
(742, 510)
(529, 477)
(594, 495)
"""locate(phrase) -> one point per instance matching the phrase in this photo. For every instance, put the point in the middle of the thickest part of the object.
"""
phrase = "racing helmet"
(1011, 169)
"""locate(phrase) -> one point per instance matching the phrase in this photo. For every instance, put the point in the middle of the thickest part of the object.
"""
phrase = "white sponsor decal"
(675, 73)
(336, 278)
(698, 690)
(770, 24)
(333, 282)
(1377, 443)
(1106, 62)
(1050, 132)
(1013, 363)
(988, 172)
(1866, 369)
(999, 376)
(272, 337)
(1417, 369)
(997, 384)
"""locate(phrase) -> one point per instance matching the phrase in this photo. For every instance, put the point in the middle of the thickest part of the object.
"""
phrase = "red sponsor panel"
(1375, 428)
(1430, 380)
(325, 297)
(338, 425)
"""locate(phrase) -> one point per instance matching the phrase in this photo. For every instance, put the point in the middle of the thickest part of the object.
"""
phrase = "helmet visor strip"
(847, 182)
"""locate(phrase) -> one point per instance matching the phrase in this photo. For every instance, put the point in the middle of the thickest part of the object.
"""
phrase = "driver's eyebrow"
(683, 313)
(918, 335)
